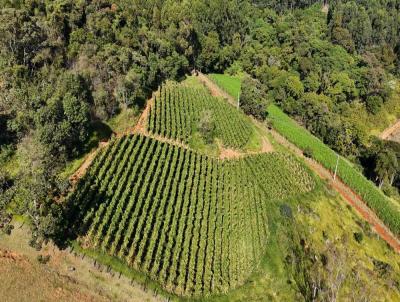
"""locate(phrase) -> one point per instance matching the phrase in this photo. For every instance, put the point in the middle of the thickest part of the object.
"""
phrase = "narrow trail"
(388, 132)
(80, 172)
(215, 90)
(346, 193)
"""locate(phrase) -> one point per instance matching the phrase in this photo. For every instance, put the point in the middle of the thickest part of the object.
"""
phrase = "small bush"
(43, 259)
(286, 211)
(308, 152)
(358, 236)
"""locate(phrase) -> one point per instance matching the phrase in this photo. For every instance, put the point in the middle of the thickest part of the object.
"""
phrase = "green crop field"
(229, 84)
(384, 207)
(194, 224)
(177, 111)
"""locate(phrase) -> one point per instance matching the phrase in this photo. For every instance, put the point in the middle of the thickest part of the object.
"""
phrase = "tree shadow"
(79, 204)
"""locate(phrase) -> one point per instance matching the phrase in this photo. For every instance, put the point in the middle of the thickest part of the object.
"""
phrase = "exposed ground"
(392, 132)
(65, 277)
(215, 90)
(78, 174)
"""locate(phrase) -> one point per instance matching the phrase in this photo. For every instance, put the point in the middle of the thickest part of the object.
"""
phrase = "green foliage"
(253, 98)
(177, 113)
(230, 84)
(384, 207)
(207, 126)
(358, 237)
(194, 224)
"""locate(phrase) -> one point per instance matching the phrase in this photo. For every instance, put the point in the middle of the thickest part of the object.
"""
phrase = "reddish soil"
(141, 124)
(229, 154)
(266, 146)
(86, 164)
(6, 254)
(348, 195)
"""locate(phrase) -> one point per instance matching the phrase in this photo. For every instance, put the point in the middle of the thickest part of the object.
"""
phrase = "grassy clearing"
(229, 84)
(119, 266)
(385, 208)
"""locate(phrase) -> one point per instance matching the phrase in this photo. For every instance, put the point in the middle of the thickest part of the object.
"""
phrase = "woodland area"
(67, 66)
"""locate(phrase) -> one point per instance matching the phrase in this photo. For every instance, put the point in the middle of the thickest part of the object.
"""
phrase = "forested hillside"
(70, 69)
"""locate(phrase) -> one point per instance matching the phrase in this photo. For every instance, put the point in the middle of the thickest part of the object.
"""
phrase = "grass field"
(168, 211)
(25, 279)
(229, 84)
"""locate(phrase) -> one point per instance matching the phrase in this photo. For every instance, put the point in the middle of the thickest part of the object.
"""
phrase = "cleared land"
(196, 225)
(177, 112)
(392, 132)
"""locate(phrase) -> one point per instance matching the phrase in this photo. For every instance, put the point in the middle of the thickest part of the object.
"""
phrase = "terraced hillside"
(195, 224)
(177, 111)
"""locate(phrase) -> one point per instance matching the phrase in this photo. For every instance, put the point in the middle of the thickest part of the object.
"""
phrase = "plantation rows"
(385, 208)
(194, 224)
(177, 111)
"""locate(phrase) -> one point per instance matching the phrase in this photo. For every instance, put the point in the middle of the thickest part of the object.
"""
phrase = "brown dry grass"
(25, 279)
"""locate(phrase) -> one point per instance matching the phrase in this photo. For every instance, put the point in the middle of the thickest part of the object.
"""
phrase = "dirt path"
(141, 124)
(215, 90)
(390, 131)
(347, 193)
(78, 174)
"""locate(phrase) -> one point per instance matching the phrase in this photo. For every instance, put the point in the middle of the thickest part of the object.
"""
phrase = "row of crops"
(384, 207)
(177, 111)
(194, 224)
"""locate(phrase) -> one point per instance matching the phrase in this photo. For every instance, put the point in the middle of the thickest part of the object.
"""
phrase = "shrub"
(358, 236)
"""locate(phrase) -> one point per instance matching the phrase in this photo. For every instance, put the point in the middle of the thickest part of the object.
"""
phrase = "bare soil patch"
(141, 124)
(229, 154)
(392, 132)
(86, 164)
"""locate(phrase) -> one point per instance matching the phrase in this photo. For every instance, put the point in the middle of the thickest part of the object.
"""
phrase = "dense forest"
(66, 66)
